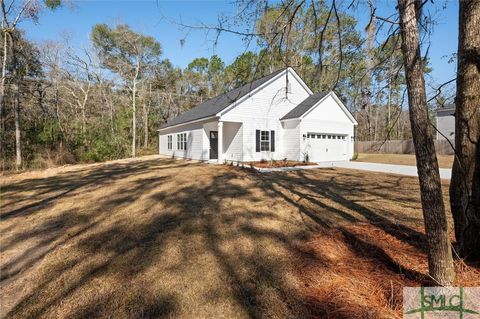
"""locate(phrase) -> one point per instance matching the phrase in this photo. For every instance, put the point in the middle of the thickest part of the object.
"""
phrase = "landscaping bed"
(275, 164)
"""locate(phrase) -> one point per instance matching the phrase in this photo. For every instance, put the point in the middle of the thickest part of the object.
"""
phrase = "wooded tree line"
(64, 104)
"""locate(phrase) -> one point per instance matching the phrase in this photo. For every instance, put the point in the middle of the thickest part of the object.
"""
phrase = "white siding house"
(275, 117)
(446, 123)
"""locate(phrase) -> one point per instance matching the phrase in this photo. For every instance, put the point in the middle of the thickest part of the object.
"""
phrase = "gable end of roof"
(312, 101)
(217, 104)
(304, 106)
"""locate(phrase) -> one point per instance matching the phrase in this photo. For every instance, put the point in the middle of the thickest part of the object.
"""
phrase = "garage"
(324, 147)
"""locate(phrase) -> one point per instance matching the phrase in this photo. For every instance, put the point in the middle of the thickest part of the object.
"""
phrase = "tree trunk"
(370, 66)
(16, 110)
(2, 90)
(389, 99)
(134, 116)
(440, 261)
(84, 124)
(465, 183)
(145, 125)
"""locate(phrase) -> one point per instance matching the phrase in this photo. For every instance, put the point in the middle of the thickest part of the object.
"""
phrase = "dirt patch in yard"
(156, 237)
(444, 161)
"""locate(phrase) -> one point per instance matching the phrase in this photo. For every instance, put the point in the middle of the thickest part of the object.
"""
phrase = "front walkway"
(445, 173)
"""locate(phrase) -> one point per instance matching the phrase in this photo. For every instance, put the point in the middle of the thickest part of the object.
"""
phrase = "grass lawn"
(444, 161)
(159, 238)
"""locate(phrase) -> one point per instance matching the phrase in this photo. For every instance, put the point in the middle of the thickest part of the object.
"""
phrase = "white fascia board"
(189, 122)
(299, 79)
(339, 102)
(314, 106)
(344, 108)
(294, 119)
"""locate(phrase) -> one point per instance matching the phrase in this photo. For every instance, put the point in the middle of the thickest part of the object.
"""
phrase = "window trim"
(182, 141)
(169, 142)
(265, 139)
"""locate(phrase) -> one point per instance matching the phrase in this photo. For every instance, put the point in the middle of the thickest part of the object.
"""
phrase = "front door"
(213, 145)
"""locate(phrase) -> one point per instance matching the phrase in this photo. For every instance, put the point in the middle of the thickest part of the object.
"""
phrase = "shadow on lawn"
(314, 195)
(52, 188)
(111, 250)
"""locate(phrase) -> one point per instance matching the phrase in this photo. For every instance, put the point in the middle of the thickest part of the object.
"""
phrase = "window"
(182, 141)
(323, 136)
(264, 140)
(169, 142)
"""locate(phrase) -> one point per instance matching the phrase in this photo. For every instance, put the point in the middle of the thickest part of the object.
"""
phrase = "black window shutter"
(272, 141)
(257, 141)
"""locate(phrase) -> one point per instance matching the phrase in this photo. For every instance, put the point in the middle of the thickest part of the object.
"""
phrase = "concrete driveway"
(445, 173)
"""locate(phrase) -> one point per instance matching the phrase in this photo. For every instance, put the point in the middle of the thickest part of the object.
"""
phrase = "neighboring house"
(446, 123)
(275, 117)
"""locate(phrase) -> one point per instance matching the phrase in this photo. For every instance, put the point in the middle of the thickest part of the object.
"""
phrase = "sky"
(160, 19)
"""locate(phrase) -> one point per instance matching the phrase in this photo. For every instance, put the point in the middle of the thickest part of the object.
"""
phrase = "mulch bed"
(274, 164)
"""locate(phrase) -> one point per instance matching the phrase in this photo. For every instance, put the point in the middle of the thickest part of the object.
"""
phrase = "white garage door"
(324, 147)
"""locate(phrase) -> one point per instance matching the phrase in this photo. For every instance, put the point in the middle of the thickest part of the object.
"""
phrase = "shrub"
(355, 156)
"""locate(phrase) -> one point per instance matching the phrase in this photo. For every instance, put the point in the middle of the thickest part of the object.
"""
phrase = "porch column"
(220, 142)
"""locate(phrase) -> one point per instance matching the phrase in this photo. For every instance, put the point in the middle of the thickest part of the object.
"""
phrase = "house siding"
(262, 111)
(195, 138)
(233, 141)
(446, 127)
(291, 140)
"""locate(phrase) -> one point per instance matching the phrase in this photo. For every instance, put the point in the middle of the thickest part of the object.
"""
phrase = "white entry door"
(324, 147)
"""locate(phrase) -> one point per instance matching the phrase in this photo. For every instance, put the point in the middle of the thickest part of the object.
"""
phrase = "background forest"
(62, 105)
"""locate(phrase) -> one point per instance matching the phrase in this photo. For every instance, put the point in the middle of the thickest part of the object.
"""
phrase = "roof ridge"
(242, 86)
(209, 107)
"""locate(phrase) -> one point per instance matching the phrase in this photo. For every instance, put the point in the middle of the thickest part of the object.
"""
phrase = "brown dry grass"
(444, 161)
(155, 237)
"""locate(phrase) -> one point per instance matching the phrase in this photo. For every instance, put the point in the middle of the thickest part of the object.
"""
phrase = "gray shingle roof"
(304, 106)
(219, 103)
(447, 110)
